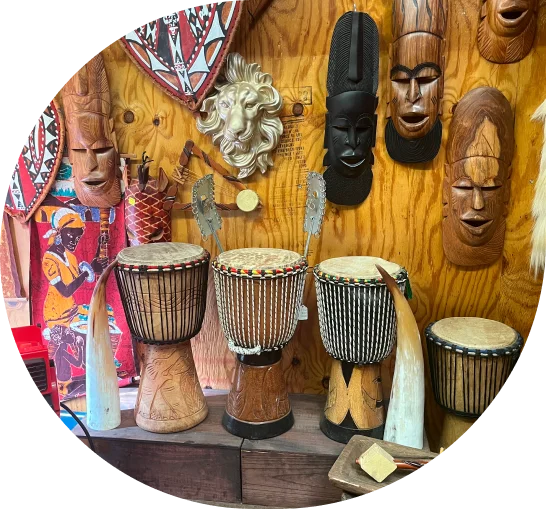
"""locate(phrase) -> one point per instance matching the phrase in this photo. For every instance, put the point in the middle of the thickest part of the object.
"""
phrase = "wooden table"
(207, 463)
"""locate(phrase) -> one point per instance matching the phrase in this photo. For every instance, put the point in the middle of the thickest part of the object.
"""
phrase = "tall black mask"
(351, 120)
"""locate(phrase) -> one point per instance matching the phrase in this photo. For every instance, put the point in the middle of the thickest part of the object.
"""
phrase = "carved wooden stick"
(101, 381)
(406, 413)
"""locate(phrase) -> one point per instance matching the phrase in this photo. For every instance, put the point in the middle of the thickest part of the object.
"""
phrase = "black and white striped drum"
(357, 322)
(259, 293)
(470, 360)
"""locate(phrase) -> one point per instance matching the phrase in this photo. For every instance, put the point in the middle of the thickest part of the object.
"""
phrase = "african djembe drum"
(259, 293)
(357, 322)
(470, 360)
(163, 288)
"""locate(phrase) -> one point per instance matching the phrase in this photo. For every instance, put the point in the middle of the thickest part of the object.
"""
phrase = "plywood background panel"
(400, 220)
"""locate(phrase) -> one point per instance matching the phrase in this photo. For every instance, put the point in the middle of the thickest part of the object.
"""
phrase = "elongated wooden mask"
(476, 187)
(417, 63)
(92, 151)
(507, 29)
(351, 120)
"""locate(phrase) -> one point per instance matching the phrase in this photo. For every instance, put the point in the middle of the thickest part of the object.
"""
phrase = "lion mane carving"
(243, 117)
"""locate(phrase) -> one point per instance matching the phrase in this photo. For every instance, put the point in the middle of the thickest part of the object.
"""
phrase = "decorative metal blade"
(204, 209)
(314, 206)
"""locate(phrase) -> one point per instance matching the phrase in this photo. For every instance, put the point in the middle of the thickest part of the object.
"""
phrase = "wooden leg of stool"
(454, 427)
(258, 406)
(355, 402)
(169, 398)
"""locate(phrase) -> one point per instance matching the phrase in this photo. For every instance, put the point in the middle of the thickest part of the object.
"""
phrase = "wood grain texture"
(291, 470)
(507, 29)
(348, 476)
(401, 218)
(170, 398)
(362, 396)
(258, 394)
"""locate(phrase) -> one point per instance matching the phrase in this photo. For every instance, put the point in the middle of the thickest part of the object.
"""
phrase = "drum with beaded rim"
(164, 291)
(259, 293)
(358, 328)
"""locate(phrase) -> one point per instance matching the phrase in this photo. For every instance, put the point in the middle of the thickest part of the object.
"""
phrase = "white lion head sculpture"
(243, 117)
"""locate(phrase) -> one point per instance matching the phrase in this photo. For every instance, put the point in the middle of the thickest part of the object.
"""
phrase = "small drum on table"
(470, 359)
(357, 322)
(163, 288)
(259, 293)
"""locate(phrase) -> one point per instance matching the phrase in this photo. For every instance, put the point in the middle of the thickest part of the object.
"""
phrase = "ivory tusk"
(406, 412)
(101, 380)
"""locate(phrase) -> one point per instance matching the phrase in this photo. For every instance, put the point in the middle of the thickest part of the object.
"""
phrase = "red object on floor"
(33, 350)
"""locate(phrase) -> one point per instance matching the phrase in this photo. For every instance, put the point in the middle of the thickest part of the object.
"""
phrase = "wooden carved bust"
(414, 130)
(92, 152)
(476, 187)
(507, 29)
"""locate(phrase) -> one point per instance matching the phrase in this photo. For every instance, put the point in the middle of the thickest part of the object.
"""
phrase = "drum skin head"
(358, 267)
(478, 333)
(259, 258)
(163, 253)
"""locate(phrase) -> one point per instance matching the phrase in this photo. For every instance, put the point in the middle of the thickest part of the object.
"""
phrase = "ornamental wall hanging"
(184, 51)
(37, 165)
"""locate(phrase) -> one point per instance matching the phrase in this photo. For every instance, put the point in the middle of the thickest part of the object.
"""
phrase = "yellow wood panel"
(401, 218)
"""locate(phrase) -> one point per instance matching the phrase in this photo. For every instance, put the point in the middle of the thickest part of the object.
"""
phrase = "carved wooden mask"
(94, 158)
(417, 64)
(351, 120)
(477, 183)
(507, 29)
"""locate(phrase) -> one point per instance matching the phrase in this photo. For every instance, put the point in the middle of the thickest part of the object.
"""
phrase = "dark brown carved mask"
(94, 158)
(417, 83)
(507, 29)
(477, 186)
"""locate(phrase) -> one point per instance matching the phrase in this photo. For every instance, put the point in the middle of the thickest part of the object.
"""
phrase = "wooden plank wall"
(400, 220)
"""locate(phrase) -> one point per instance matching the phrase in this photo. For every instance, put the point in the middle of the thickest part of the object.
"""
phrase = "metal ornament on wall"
(351, 103)
(413, 133)
(507, 29)
(314, 207)
(243, 116)
(476, 187)
(204, 209)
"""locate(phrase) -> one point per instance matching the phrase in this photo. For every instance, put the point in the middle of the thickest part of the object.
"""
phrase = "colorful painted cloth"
(65, 264)
(184, 51)
(37, 165)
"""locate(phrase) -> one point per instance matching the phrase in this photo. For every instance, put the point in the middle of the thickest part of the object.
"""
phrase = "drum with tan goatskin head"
(164, 291)
(357, 322)
(259, 293)
(470, 359)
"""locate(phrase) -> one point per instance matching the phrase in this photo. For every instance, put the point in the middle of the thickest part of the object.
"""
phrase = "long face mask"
(414, 131)
(86, 100)
(477, 187)
(507, 29)
(351, 120)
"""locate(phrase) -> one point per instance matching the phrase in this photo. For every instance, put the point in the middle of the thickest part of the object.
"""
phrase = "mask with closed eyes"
(414, 131)
(94, 158)
(476, 187)
(351, 120)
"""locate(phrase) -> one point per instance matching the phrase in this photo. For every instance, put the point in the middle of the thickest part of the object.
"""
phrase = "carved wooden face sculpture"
(351, 120)
(477, 186)
(86, 100)
(507, 29)
(414, 130)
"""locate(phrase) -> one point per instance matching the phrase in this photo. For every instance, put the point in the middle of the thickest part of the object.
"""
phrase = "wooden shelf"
(207, 463)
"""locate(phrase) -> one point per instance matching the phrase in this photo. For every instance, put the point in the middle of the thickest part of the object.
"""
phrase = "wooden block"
(377, 463)
(348, 476)
(203, 463)
(291, 470)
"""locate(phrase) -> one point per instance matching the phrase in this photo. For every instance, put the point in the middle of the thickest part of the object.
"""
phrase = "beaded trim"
(165, 268)
(515, 348)
(260, 274)
(400, 278)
